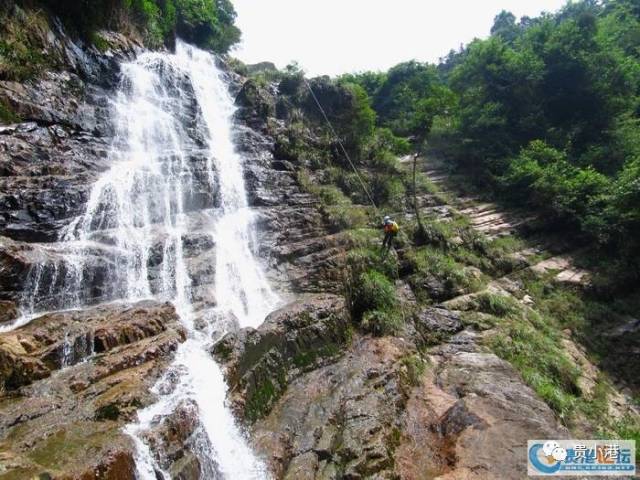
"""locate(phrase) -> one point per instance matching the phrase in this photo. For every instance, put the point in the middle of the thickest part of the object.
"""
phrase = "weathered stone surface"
(342, 420)
(71, 380)
(8, 312)
(257, 103)
(436, 324)
(470, 400)
(58, 340)
(50, 160)
(259, 363)
(177, 439)
(363, 416)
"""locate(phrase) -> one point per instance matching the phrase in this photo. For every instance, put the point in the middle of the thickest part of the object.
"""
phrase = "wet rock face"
(175, 438)
(260, 363)
(374, 409)
(59, 340)
(47, 172)
(49, 161)
(70, 381)
(8, 312)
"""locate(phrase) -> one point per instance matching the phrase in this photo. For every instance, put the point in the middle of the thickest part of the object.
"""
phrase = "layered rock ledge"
(70, 381)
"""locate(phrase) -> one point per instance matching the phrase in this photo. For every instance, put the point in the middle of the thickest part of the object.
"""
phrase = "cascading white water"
(241, 288)
(167, 163)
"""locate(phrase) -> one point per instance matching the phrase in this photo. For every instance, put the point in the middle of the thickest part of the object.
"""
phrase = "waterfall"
(241, 290)
(174, 169)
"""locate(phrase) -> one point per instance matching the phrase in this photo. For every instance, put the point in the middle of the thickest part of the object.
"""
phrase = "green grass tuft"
(372, 290)
(496, 304)
(7, 115)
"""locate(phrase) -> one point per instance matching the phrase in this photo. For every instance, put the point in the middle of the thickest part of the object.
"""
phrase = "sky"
(330, 37)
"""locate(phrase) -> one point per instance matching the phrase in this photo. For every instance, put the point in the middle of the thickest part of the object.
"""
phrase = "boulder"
(260, 363)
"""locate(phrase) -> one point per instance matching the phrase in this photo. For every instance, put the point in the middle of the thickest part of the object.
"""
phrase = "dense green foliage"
(206, 23)
(407, 97)
(546, 111)
(326, 170)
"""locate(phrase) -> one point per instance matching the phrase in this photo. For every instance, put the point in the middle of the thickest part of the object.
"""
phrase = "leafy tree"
(370, 81)
(547, 108)
(498, 109)
(404, 100)
(207, 23)
(505, 27)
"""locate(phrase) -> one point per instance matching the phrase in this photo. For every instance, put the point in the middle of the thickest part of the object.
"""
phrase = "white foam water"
(241, 289)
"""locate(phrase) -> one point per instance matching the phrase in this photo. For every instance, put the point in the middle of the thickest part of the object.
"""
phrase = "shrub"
(414, 366)
(7, 115)
(384, 139)
(331, 195)
(628, 427)
(388, 190)
(21, 48)
(430, 267)
(350, 184)
(363, 237)
(346, 216)
(385, 162)
(434, 233)
(206, 23)
(382, 322)
(371, 290)
(496, 304)
(363, 259)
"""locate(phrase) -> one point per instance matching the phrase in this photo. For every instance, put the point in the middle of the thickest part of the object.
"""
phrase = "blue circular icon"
(535, 461)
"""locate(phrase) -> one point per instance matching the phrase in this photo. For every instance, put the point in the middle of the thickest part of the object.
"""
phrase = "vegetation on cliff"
(24, 23)
(208, 24)
(532, 324)
(545, 110)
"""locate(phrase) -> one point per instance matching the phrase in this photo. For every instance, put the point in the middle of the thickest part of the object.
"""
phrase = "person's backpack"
(394, 227)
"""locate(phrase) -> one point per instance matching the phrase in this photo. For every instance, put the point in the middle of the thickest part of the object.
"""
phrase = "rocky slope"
(424, 403)
(327, 402)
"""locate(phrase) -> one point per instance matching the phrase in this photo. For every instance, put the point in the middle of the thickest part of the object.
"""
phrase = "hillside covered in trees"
(544, 113)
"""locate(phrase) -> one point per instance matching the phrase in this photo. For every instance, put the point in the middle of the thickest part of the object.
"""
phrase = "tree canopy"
(206, 23)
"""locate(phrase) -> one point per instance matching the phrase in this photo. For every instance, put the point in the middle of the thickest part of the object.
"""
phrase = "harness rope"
(344, 150)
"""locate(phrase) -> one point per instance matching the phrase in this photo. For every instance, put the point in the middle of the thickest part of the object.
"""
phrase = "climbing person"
(390, 231)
